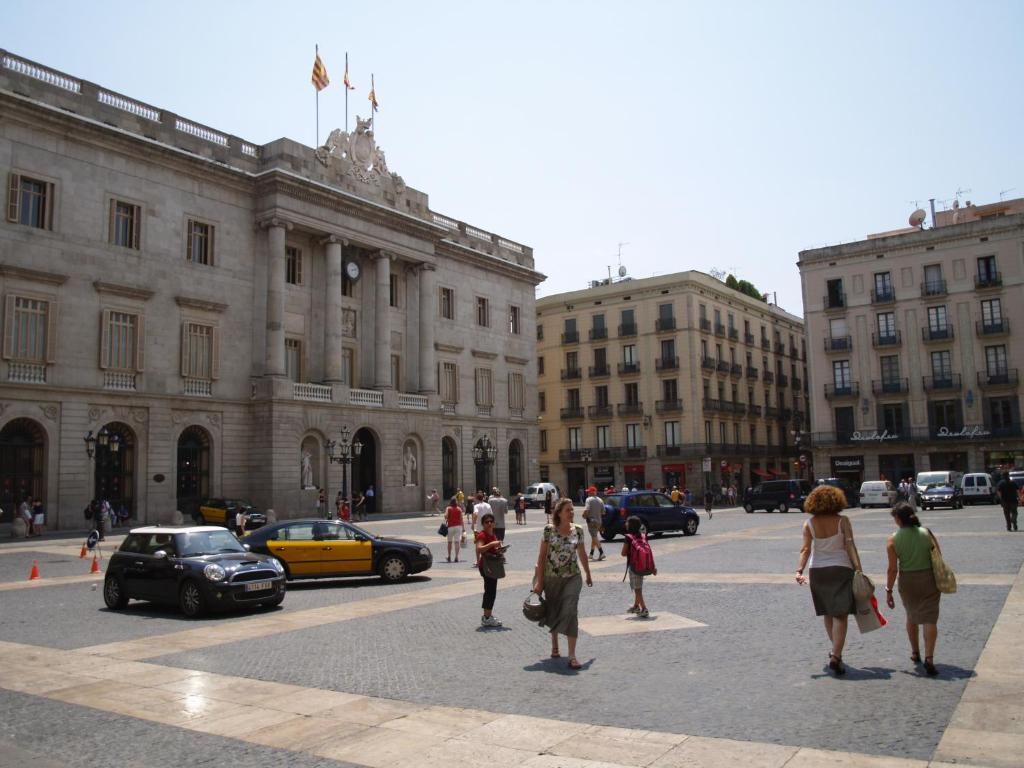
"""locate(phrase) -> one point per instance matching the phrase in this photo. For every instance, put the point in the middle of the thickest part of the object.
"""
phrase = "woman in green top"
(910, 555)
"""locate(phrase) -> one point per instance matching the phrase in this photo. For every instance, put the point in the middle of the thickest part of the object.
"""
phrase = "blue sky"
(704, 135)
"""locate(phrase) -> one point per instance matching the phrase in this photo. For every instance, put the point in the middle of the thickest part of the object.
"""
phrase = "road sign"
(707, 464)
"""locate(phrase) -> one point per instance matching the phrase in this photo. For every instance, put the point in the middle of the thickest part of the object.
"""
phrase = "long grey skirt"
(920, 596)
(561, 604)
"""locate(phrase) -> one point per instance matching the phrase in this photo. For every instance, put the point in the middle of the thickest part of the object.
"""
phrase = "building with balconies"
(216, 311)
(690, 374)
(916, 371)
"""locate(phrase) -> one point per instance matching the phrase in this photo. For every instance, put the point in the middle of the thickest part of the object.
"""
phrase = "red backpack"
(640, 558)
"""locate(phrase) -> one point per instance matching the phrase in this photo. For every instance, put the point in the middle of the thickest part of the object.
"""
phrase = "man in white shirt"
(480, 508)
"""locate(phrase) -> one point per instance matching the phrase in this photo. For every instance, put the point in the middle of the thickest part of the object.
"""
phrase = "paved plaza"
(729, 670)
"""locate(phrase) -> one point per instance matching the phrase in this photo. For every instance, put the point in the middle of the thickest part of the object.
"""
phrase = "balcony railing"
(949, 382)
(317, 393)
(768, 377)
(752, 372)
(735, 369)
(634, 452)
(723, 366)
(783, 380)
(993, 327)
(669, 450)
(571, 373)
(571, 337)
(668, 406)
(797, 382)
(748, 338)
(890, 386)
(885, 296)
(665, 324)
(937, 334)
(705, 325)
(838, 343)
(603, 411)
(627, 329)
(714, 404)
(771, 412)
(666, 363)
(628, 369)
(708, 362)
(198, 387)
(572, 412)
(780, 348)
(599, 371)
(719, 329)
(630, 409)
(733, 334)
(422, 402)
(834, 391)
(766, 344)
(30, 373)
(1007, 378)
(794, 353)
(988, 280)
(881, 340)
(933, 288)
(834, 301)
(122, 381)
(753, 410)
(598, 333)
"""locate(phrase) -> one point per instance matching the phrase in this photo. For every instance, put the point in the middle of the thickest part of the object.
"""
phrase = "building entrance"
(364, 470)
(22, 459)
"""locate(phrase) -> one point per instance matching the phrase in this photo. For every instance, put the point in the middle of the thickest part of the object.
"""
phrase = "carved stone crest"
(348, 323)
(49, 411)
(357, 155)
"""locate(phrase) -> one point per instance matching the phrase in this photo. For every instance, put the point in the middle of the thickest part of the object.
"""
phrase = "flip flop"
(574, 664)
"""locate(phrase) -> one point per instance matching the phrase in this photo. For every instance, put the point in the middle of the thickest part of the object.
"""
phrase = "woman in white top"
(827, 543)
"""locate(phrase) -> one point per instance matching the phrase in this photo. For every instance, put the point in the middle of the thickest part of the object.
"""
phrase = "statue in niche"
(409, 464)
(307, 469)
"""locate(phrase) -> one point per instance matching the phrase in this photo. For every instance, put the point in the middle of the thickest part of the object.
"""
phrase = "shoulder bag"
(493, 566)
(945, 579)
(443, 529)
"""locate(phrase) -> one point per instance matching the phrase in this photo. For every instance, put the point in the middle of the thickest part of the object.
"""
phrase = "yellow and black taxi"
(313, 549)
(223, 512)
(198, 568)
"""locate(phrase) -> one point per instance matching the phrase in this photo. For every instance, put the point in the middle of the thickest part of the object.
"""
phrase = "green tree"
(745, 287)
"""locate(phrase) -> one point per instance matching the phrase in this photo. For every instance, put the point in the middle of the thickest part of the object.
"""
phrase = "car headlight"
(424, 551)
(276, 564)
(214, 572)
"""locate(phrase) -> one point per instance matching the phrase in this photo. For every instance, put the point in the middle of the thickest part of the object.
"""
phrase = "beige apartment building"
(641, 382)
(915, 346)
(213, 313)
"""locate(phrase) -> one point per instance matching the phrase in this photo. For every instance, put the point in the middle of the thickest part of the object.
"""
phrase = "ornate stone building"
(218, 309)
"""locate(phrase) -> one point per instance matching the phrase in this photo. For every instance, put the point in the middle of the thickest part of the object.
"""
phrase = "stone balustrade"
(317, 393)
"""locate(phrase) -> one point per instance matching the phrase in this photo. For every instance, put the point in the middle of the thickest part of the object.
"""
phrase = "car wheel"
(657, 535)
(393, 568)
(690, 526)
(783, 508)
(190, 599)
(113, 593)
(748, 508)
(608, 535)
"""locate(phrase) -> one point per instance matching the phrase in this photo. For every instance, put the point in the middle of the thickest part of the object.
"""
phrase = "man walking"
(1007, 491)
(499, 507)
(593, 512)
(371, 501)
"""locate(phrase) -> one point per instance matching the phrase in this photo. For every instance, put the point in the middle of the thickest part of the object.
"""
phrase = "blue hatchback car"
(655, 510)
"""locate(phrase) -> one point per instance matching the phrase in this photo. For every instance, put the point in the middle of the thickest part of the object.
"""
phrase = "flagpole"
(345, 84)
(317, 143)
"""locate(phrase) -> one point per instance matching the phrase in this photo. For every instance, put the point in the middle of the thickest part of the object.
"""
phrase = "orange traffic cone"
(34, 573)
(95, 564)
(82, 555)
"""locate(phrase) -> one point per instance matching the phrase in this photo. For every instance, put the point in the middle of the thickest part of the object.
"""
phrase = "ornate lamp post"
(801, 460)
(343, 452)
(585, 457)
(484, 454)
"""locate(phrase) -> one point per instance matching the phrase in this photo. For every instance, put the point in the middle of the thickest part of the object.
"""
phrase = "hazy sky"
(704, 135)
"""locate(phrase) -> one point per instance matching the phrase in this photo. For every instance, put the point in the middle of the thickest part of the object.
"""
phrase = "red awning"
(762, 474)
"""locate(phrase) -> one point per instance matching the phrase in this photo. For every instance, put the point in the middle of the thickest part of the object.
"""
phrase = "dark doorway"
(515, 467)
(22, 464)
(574, 480)
(896, 466)
(364, 469)
(193, 469)
(113, 479)
(448, 477)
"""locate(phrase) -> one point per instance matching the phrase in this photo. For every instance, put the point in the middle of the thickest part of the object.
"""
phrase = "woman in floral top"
(558, 577)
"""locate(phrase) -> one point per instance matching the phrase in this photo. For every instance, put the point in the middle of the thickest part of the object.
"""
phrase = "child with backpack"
(639, 563)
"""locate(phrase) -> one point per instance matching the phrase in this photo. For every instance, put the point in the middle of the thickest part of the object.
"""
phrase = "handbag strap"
(849, 544)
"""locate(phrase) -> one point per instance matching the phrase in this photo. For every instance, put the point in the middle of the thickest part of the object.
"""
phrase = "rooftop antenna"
(960, 191)
(1005, 192)
(622, 269)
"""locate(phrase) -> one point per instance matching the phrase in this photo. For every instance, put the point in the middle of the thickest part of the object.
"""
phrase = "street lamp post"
(110, 443)
(484, 453)
(585, 457)
(797, 439)
(343, 452)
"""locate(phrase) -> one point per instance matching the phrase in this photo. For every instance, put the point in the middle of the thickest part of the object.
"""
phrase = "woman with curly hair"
(826, 552)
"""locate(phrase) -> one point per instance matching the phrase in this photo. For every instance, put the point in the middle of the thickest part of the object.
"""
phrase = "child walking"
(639, 563)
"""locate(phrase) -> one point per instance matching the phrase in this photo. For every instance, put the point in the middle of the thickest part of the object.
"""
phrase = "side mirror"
(246, 547)
(160, 554)
(361, 537)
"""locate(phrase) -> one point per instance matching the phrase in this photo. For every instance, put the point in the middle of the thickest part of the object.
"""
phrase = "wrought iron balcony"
(768, 377)
(627, 329)
(933, 288)
(665, 324)
(708, 362)
(949, 382)
(571, 337)
(752, 372)
(669, 450)
(838, 343)
(668, 406)
(988, 280)
(630, 409)
(771, 412)
(735, 369)
(733, 334)
(937, 334)
(797, 382)
(599, 371)
(598, 333)
(885, 296)
(993, 327)
(753, 410)
(783, 380)
(890, 386)
(666, 363)
(719, 329)
(766, 344)
(603, 411)
(572, 373)
(748, 338)
(628, 369)
(1003, 378)
(882, 340)
(780, 348)
(835, 391)
(705, 325)
(714, 404)
(571, 413)
(723, 366)
(834, 301)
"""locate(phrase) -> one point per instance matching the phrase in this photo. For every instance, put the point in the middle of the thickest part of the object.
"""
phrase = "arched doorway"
(515, 467)
(193, 469)
(22, 463)
(484, 454)
(448, 478)
(364, 469)
(114, 468)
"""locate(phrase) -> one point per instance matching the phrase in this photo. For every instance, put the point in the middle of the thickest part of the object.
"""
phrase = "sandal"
(835, 663)
(929, 667)
(916, 657)
(556, 655)
(574, 664)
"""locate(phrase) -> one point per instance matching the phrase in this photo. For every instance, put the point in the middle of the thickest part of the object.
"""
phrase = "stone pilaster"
(332, 311)
(428, 319)
(276, 231)
(382, 326)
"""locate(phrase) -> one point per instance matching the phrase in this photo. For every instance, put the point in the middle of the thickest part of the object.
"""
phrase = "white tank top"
(828, 551)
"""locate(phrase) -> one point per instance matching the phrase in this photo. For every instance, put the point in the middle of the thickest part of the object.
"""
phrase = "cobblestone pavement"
(753, 674)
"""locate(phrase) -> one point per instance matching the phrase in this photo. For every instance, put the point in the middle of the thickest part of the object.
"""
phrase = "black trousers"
(490, 591)
(1010, 513)
(500, 533)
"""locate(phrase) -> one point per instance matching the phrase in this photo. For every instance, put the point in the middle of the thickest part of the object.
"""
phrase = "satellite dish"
(917, 217)
(622, 271)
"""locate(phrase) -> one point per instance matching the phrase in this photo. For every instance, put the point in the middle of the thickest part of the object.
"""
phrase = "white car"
(877, 493)
(979, 488)
(535, 494)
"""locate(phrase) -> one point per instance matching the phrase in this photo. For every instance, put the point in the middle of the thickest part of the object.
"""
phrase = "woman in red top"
(487, 542)
(453, 519)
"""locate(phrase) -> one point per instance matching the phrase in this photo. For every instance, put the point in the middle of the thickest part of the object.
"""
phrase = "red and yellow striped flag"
(373, 94)
(320, 79)
(348, 83)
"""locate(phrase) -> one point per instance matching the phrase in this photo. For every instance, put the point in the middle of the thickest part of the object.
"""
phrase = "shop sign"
(706, 464)
(847, 463)
(636, 468)
(881, 437)
(604, 474)
(673, 467)
(964, 434)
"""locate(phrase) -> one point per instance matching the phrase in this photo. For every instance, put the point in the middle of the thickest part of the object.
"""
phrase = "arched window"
(193, 469)
(22, 464)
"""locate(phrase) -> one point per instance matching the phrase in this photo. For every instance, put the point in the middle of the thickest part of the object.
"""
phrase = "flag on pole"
(320, 79)
(348, 83)
(373, 94)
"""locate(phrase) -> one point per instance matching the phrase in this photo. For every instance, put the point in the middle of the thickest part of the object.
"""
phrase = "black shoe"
(835, 663)
(929, 667)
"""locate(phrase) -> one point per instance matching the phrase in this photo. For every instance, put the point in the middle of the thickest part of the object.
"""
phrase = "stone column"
(332, 311)
(428, 319)
(276, 229)
(382, 327)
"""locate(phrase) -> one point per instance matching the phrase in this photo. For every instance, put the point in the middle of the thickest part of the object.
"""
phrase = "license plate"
(257, 586)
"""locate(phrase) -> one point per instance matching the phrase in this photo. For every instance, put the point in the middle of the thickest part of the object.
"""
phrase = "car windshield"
(207, 543)
(614, 500)
(932, 478)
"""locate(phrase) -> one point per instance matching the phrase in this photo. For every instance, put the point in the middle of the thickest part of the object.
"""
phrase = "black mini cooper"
(199, 568)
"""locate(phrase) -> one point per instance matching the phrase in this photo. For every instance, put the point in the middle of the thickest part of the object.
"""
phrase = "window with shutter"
(29, 330)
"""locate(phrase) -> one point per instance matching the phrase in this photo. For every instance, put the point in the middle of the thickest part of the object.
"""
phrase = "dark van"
(782, 495)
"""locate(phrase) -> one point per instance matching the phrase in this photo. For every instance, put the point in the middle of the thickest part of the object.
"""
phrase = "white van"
(534, 495)
(979, 488)
(877, 493)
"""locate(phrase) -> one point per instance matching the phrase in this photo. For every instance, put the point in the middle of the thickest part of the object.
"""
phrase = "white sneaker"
(633, 609)
(645, 614)
(490, 621)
